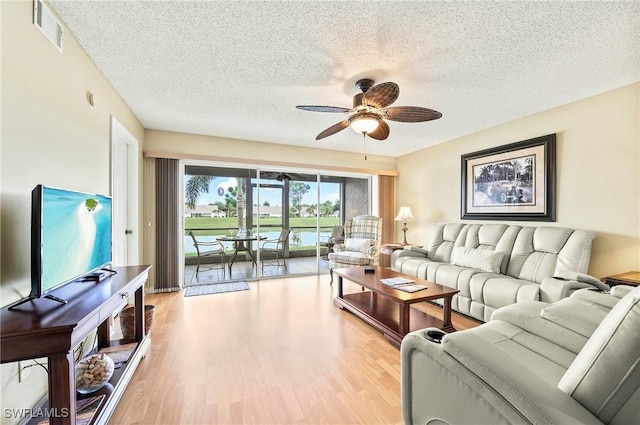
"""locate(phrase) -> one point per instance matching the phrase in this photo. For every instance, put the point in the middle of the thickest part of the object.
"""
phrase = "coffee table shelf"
(388, 309)
(383, 314)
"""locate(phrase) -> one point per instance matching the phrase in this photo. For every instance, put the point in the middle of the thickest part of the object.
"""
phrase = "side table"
(628, 278)
(386, 250)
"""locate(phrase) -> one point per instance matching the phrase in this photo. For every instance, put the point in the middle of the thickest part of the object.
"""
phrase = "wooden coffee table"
(388, 309)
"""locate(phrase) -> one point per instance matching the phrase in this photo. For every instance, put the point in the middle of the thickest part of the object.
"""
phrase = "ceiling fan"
(371, 108)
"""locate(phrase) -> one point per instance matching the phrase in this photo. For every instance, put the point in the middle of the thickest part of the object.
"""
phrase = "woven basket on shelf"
(127, 320)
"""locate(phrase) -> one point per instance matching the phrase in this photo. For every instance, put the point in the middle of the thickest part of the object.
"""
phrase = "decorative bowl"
(93, 372)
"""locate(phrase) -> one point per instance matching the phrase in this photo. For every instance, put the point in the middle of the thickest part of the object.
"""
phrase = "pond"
(296, 239)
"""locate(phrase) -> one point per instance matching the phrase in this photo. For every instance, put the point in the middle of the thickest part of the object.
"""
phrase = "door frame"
(118, 131)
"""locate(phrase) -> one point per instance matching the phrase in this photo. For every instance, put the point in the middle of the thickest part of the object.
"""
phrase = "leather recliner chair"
(573, 361)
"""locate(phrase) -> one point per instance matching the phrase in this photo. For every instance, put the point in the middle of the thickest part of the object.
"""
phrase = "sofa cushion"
(494, 237)
(350, 258)
(550, 239)
(605, 374)
(490, 291)
(413, 266)
(597, 299)
(576, 252)
(542, 252)
(444, 240)
(528, 316)
(358, 244)
(546, 359)
(568, 314)
(480, 259)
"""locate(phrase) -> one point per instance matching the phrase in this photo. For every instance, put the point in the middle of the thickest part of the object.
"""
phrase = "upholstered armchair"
(361, 246)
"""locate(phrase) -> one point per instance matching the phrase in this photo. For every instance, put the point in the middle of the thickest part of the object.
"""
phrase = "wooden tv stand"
(45, 328)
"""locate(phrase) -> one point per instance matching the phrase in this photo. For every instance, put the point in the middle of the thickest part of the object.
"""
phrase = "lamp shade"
(364, 123)
(404, 214)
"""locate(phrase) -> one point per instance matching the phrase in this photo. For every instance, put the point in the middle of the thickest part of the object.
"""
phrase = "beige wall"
(219, 148)
(49, 135)
(598, 177)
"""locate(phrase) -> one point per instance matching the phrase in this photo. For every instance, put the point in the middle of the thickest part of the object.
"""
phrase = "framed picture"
(511, 182)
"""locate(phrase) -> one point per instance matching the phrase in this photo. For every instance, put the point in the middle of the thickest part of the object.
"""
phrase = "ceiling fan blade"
(333, 129)
(315, 108)
(380, 133)
(411, 114)
(381, 95)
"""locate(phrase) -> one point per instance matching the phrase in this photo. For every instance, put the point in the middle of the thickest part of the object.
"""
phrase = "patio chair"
(275, 248)
(209, 250)
(337, 236)
(361, 247)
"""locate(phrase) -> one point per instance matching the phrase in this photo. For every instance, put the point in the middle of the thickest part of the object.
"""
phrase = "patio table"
(239, 245)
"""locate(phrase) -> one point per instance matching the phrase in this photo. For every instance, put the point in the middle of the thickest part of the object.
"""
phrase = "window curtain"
(387, 206)
(167, 277)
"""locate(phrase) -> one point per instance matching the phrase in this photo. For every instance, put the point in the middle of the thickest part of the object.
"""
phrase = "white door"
(124, 183)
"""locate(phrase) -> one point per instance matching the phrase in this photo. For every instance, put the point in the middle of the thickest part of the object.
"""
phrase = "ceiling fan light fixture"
(364, 123)
(371, 111)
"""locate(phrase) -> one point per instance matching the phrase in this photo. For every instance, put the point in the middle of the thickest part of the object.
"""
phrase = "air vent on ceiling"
(47, 23)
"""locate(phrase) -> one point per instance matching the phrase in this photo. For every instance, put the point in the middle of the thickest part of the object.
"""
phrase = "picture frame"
(516, 181)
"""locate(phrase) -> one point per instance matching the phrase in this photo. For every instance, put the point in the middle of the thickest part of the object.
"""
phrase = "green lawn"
(213, 225)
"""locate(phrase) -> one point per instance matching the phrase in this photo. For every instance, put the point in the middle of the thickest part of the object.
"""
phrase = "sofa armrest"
(406, 252)
(553, 289)
(492, 386)
(416, 249)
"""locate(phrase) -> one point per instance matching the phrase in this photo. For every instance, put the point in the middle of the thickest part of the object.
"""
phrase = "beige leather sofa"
(570, 362)
(494, 265)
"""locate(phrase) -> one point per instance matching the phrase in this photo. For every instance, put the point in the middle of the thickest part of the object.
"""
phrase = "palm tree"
(485, 174)
(326, 208)
(528, 169)
(196, 185)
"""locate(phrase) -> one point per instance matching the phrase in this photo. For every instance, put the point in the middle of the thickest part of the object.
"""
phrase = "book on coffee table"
(395, 281)
(410, 287)
(403, 284)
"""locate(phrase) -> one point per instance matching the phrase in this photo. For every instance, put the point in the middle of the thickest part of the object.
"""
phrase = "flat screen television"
(70, 238)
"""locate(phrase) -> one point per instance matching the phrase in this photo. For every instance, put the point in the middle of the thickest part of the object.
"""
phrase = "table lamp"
(404, 215)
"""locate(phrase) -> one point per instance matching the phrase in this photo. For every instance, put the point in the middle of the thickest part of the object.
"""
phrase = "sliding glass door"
(268, 222)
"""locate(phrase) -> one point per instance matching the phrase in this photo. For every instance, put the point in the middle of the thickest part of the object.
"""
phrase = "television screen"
(74, 229)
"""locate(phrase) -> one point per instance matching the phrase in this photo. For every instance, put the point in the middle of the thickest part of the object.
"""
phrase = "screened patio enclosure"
(225, 204)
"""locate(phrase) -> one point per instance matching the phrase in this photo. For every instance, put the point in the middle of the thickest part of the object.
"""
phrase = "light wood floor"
(280, 353)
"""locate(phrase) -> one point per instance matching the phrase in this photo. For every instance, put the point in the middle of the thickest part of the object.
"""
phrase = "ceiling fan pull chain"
(364, 144)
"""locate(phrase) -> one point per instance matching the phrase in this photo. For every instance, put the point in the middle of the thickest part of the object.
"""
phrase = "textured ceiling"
(237, 69)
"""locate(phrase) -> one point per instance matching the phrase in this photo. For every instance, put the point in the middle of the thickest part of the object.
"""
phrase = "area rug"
(216, 288)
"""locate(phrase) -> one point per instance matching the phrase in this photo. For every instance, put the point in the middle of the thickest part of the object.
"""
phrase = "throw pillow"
(357, 244)
(488, 261)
